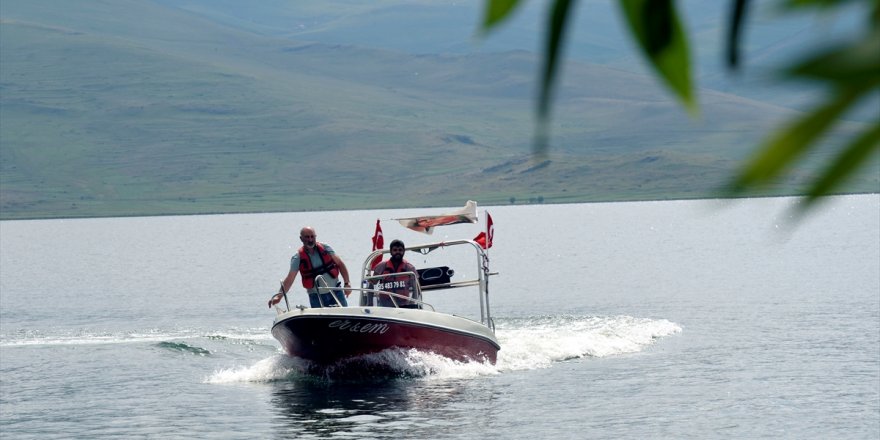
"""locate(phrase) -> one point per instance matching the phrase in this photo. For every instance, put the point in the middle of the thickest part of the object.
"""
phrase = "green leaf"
(661, 37)
(845, 164)
(787, 144)
(556, 27)
(496, 11)
(737, 19)
(794, 4)
(859, 61)
(555, 34)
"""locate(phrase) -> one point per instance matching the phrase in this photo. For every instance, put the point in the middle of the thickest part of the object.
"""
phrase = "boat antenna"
(285, 295)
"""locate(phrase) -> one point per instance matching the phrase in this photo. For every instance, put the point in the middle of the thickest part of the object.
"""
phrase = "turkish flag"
(490, 230)
(484, 239)
(378, 243)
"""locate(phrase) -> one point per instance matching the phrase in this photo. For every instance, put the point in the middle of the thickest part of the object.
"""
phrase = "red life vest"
(309, 273)
(403, 281)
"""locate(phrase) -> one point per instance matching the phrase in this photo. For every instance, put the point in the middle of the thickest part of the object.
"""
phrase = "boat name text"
(359, 327)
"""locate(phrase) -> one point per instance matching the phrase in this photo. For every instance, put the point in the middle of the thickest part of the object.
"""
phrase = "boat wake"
(539, 342)
(387, 364)
(193, 341)
(531, 343)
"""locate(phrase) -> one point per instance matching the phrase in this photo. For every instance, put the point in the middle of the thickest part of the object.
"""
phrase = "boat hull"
(328, 335)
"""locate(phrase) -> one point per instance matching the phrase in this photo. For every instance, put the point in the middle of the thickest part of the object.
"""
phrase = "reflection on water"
(311, 407)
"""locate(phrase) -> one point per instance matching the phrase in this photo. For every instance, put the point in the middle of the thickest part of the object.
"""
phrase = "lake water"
(678, 319)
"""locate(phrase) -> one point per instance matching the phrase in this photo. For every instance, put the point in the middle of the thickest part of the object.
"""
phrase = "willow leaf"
(787, 144)
(737, 19)
(846, 163)
(496, 11)
(859, 61)
(662, 39)
(794, 4)
(556, 27)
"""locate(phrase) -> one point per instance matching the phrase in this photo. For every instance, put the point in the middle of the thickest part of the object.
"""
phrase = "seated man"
(399, 284)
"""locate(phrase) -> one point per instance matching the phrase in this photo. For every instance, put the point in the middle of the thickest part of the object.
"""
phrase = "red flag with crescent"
(484, 239)
(378, 243)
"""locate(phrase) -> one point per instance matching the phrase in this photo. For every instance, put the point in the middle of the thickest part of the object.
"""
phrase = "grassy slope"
(103, 114)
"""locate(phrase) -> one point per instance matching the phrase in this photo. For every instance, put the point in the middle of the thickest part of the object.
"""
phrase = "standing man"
(399, 284)
(313, 259)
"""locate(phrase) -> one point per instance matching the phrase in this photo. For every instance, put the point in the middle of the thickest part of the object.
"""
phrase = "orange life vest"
(309, 273)
(399, 284)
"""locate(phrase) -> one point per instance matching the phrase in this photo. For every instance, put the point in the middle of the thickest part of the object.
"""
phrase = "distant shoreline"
(3, 217)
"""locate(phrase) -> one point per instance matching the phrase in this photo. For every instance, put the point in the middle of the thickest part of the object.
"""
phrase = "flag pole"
(486, 246)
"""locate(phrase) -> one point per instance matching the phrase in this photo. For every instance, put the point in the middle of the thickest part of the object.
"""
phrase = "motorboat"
(334, 332)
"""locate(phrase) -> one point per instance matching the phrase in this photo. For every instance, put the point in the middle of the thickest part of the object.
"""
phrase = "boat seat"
(435, 275)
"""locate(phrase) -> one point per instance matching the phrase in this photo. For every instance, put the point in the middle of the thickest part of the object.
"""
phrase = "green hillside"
(143, 108)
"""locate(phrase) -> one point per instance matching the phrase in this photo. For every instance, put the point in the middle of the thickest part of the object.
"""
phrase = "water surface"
(683, 319)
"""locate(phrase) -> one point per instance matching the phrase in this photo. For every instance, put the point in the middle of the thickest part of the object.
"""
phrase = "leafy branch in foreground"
(852, 73)
(850, 70)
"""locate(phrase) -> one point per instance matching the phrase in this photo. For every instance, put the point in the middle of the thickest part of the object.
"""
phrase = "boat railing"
(393, 296)
(323, 287)
(369, 294)
(452, 285)
(481, 280)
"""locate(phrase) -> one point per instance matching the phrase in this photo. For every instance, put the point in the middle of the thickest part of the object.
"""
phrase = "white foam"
(273, 368)
(526, 344)
(429, 365)
(91, 337)
(538, 343)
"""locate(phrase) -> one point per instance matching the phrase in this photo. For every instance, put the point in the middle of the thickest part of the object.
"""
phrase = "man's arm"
(288, 280)
(285, 287)
(343, 270)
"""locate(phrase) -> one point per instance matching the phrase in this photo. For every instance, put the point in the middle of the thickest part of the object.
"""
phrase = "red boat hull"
(328, 335)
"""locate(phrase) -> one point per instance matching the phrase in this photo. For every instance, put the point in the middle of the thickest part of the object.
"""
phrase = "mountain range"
(205, 106)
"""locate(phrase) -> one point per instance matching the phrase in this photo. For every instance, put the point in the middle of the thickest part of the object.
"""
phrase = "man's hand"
(275, 299)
